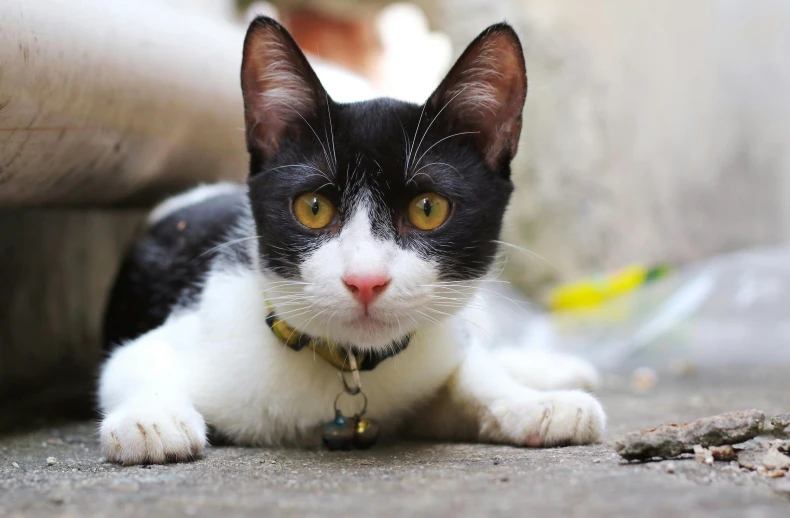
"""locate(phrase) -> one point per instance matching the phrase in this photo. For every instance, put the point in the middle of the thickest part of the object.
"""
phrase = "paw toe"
(135, 438)
(578, 419)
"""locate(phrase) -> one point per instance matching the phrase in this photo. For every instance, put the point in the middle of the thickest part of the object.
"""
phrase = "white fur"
(282, 84)
(475, 92)
(219, 364)
(191, 197)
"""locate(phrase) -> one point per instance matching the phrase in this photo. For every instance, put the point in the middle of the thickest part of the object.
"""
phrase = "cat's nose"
(366, 288)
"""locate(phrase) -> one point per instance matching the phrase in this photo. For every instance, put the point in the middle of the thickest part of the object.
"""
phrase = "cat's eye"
(313, 210)
(428, 211)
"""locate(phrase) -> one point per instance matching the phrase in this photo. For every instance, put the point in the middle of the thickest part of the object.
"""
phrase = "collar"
(334, 354)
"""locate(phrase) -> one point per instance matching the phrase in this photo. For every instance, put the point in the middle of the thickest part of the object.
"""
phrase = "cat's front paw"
(547, 419)
(146, 434)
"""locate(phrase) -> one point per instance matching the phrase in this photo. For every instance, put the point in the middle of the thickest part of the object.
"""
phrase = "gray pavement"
(418, 479)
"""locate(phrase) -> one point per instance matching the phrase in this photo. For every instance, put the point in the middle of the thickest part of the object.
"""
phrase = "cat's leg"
(543, 370)
(482, 402)
(147, 413)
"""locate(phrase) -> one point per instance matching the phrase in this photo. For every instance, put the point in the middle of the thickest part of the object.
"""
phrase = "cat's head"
(377, 218)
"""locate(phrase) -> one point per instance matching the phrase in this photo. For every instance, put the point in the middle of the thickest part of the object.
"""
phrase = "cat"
(372, 226)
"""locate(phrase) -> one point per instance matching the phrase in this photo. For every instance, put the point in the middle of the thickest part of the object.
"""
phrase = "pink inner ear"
(278, 86)
(485, 91)
(478, 86)
(282, 91)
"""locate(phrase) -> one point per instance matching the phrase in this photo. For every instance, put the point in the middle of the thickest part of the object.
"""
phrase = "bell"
(366, 433)
(339, 434)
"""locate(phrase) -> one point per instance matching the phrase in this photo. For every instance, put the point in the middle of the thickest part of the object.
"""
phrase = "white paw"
(548, 371)
(547, 419)
(143, 433)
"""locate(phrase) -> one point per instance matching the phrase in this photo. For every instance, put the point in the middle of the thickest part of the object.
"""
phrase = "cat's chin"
(366, 332)
(368, 323)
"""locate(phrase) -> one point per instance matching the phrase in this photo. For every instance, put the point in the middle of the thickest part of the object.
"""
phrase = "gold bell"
(366, 433)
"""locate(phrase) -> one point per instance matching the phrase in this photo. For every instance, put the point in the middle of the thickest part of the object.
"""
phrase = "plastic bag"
(732, 309)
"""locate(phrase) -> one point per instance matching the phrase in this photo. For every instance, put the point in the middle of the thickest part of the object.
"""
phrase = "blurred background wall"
(653, 131)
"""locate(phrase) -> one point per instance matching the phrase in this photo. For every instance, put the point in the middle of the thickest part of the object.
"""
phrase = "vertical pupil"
(316, 206)
(426, 207)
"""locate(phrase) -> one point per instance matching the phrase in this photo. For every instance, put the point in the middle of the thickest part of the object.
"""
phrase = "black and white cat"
(370, 225)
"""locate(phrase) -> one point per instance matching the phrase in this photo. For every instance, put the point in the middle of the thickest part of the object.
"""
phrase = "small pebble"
(781, 421)
(683, 369)
(56, 499)
(644, 379)
(703, 455)
(723, 453)
(14, 465)
(670, 467)
(51, 461)
(775, 459)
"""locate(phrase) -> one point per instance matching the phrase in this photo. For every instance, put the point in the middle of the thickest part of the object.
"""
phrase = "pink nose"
(366, 287)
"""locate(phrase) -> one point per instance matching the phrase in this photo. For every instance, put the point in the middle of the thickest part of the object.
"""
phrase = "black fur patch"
(165, 268)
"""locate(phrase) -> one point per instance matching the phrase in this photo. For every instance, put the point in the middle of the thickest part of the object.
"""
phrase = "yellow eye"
(428, 211)
(313, 210)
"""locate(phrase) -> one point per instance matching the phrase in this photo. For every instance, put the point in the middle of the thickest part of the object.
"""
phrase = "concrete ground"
(416, 478)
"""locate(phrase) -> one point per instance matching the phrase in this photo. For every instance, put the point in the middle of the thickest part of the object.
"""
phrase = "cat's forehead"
(377, 123)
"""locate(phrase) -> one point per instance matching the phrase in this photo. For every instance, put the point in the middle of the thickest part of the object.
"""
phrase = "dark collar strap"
(334, 354)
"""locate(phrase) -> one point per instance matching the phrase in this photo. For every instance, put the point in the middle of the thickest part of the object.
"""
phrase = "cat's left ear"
(484, 93)
(281, 90)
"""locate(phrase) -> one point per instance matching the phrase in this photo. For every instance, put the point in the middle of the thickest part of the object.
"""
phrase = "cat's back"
(165, 267)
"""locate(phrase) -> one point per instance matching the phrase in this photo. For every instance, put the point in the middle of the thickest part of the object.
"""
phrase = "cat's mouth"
(367, 322)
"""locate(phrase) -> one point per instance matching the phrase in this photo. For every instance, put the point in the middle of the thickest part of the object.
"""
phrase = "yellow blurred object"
(594, 291)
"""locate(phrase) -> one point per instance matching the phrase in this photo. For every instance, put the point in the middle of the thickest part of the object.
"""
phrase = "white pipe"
(110, 101)
(107, 101)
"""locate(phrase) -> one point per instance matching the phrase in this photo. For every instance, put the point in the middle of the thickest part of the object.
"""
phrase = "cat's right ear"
(280, 89)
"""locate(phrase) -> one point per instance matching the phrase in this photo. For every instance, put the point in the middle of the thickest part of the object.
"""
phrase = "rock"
(51, 461)
(751, 459)
(723, 453)
(14, 465)
(775, 459)
(671, 440)
(781, 421)
(776, 473)
(703, 455)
